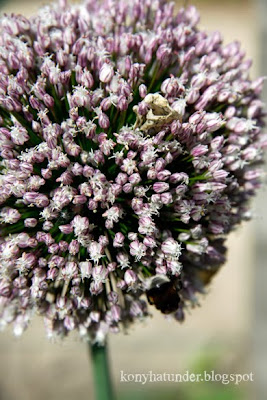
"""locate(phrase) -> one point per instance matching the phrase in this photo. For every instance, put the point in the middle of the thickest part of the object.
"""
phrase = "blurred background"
(226, 334)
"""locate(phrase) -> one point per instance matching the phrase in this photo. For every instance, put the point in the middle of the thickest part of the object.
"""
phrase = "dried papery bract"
(131, 143)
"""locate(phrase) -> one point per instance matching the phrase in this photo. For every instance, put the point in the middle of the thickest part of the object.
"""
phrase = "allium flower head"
(130, 146)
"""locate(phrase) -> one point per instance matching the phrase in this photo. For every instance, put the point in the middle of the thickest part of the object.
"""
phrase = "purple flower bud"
(113, 297)
(118, 240)
(166, 198)
(92, 205)
(164, 54)
(80, 224)
(95, 316)
(115, 312)
(151, 174)
(106, 73)
(30, 222)
(53, 248)
(46, 173)
(122, 103)
(47, 225)
(171, 247)
(48, 101)
(69, 323)
(130, 277)
(199, 150)
(163, 175)
(150, 242)
(253, 174)
(103, 240)
(142, 91)
(146, 225)
(192, 96)
(87, 79)
(160, 187)
(85, 268)
(135, 178)
(99, 274)
(127, 188)
(121, 178)
(111, 267)
(9, 215)
(199, 80)
(103, 120)
(63, 245)
(79, 199)
(70, 270)
(257, 85)
(5, 288)
(137, 249)
(74, 247)
(160, 164)
(19, 135)
(38, 199)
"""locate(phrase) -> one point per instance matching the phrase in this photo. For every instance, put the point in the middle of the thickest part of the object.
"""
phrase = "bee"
(163, 294)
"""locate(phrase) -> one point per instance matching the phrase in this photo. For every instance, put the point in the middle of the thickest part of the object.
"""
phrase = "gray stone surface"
(259, 323)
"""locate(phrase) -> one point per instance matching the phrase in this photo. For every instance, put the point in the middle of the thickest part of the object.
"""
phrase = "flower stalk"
(101, 372)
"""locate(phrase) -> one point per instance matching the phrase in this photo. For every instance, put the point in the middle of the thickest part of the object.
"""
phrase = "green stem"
(101, 374)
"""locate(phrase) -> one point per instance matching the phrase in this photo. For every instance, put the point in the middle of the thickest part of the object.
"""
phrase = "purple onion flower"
(130, 146)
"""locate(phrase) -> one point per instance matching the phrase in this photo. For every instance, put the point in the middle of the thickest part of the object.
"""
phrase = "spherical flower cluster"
(130, 145)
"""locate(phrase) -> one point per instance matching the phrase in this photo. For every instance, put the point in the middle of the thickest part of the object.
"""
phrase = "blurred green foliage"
(197, 391)
(2, 2)
(209, 359)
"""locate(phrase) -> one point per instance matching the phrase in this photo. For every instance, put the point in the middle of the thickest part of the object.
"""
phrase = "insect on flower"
(163, 294)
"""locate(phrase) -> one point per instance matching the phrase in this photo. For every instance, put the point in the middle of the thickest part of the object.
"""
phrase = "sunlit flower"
(130, 146)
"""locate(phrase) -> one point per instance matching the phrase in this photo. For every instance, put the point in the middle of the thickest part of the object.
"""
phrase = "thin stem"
(101, 374)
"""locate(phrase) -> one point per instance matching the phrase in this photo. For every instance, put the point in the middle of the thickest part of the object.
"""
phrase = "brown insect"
(163, 294)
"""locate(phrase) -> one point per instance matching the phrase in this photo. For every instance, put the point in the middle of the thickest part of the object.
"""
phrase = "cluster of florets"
(130, 144)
